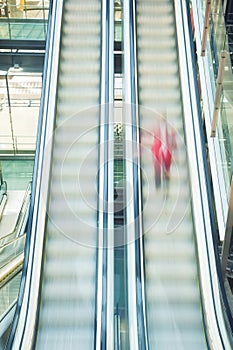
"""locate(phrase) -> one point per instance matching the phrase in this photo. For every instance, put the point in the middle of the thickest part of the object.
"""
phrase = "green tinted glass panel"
(118, 31)
(23, 30)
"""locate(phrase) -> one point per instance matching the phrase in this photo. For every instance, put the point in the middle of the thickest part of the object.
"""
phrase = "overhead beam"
(22, 44)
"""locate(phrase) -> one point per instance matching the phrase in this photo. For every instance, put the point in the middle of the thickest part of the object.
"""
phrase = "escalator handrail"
(3, 188)
(210, 198)
(3, 201)
(215, 328)
(9, 276)
(24, 322)
(104, 332)
(11, 269)
(6, 318)
(138, 336)
(3, 195)
(10, 250)
(141, 301)
(223, 111)
(20, 222)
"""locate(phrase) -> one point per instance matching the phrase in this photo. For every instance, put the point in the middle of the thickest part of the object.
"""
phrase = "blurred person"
(156, 150)
(169, 145)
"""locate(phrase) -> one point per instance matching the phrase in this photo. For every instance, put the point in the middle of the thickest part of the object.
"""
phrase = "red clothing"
(162, 151)
(167, 158)
(156, 147)
(168, 148)
(156, 150)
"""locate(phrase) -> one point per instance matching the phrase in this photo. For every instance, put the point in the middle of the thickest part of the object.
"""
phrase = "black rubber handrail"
(103, 283)
(202, 168)
(138, 227)
(35, 184)
(209, 191)
(21, 219)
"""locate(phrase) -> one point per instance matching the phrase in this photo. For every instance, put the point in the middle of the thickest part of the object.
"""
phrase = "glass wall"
(24, 9)
(221, 37)
(218, 41)
(21, 74)
(19, 110)
(24, 19)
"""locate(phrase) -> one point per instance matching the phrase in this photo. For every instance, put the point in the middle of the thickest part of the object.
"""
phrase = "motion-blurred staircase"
(67, 312)
(172, 291)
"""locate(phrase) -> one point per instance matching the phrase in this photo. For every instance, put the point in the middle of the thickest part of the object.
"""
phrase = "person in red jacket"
(164, 143)
(169, 145)
(156, 150)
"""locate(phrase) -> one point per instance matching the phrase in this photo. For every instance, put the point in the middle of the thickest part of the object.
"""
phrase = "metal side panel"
(172, 288)
(67, 311)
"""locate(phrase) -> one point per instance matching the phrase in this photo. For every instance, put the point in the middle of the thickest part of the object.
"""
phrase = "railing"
(117, 332)
(207, 72)
(3, 197)
(217, 81)
(23, 29)
(3, 193)
(24, 9)
(26, 312)
(3, 188)
(11, 263)
(21, 223)
(221, 40)
(120, 243)
(212, 296)
(138, 337)
(11, 250)
(24, 21)
(10, 277)
(19, 90)
(104, 332)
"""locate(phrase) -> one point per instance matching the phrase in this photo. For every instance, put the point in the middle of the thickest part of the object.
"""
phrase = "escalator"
(18, 227)
(68, 295)
(10, 276)
(62, 258)
(67, 298)
(174, 305)
(11, 262)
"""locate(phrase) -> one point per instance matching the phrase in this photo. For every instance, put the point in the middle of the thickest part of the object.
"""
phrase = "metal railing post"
(10, 114)
(1, 176)
(206, 27)
(218, 93)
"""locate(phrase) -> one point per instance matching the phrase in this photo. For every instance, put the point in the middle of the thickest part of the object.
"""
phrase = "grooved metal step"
(67, 313)
(172, 290)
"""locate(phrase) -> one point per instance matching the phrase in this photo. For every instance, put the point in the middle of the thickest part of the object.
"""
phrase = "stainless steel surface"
(172, 290)
(67, 309)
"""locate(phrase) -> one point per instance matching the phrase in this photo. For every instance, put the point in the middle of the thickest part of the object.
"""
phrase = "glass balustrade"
(221, 38)
(23, 20)
(19, 110)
